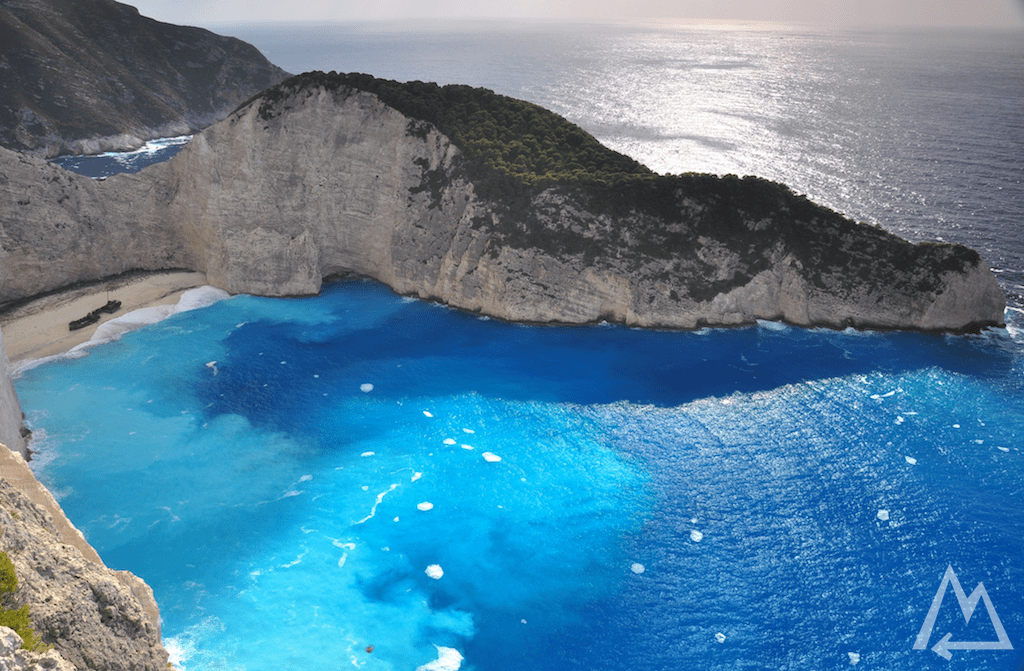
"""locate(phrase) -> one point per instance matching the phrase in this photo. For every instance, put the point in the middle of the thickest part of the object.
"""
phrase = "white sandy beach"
(40, 328)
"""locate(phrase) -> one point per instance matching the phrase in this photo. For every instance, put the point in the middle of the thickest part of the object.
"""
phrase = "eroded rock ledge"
(317, 176)
(94, 617)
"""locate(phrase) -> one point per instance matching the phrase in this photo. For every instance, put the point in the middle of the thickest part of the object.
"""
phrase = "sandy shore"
(40, 328)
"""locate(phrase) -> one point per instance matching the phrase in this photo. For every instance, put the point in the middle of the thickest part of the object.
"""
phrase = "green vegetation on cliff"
(514, 150)
(15, 618)
(501, 138)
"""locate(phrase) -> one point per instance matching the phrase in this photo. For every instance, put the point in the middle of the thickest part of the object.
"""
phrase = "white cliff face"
(271, 206)
(58, 228)
(11, 426)
(319, 180)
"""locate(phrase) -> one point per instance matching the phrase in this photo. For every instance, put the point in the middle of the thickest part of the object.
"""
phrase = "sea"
(363, 480)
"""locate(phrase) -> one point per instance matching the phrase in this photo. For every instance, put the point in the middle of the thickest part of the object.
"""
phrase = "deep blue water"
(113, 163)
(764, 497)
(240, 468)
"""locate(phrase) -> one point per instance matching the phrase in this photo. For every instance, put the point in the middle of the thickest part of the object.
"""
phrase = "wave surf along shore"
(39, 329)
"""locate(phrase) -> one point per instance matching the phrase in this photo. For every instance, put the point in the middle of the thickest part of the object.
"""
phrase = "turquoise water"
(302, 479)
(758, 498)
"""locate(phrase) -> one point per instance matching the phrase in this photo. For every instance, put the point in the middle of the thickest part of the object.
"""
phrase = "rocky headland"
(481, 202)
(86, 76)
(90, 616)
(449, 194)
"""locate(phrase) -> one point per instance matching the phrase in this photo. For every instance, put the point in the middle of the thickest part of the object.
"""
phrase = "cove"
(286, 474)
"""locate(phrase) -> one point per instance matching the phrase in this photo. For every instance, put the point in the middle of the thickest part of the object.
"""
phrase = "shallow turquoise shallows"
(300, 480)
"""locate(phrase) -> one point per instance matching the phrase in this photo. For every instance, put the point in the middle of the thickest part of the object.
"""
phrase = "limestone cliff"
(14, 658)
(85, 76)
(95, 618)
(318, 176)
(12, 429)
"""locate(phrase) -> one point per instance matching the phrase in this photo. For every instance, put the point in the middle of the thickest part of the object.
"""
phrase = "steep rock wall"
(94, 617)
(12, 429)
(334, 180)
(58, 228)
(307, 181)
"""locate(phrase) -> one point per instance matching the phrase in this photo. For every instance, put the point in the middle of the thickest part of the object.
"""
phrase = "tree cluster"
(15, 618)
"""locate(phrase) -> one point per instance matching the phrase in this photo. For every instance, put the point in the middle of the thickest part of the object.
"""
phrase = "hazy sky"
(843, 13)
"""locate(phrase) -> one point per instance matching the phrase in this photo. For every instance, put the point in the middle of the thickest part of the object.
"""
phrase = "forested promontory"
(85, 76)
(481, 202)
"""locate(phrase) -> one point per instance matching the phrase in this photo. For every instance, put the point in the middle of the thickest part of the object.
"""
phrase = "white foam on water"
(911, 460)
(1004, 449)
(344, 546)
(367, 454)
(883, 515)
(637, 568)
(899, 419)
(377, 502)
(449, 441)
(341, 561)
(294, 562)
(979, 441)
(491, 457)
(366, 387)
(466, 447)
(424, 506)
(693, 520)
(434, 571)
(305, 478)
(427, 413)
(772, 326)
(720, 637)
(113, 329)
(696, 536)
(176, 653)
(854, 658)
(468, 430)
(416, 476)
(448, 659)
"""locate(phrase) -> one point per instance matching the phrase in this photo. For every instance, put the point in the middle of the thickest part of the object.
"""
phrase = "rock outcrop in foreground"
(93, 617)
(319, 176)
(86, 76)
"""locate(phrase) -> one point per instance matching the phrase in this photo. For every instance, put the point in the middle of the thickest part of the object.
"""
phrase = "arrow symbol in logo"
(967, 606)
